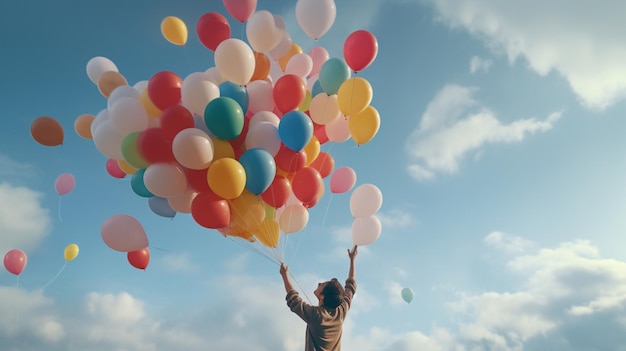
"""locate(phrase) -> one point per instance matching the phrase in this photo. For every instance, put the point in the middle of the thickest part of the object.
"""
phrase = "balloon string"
(330, 198)
(60, 220)
(300, 287)
(56, 276)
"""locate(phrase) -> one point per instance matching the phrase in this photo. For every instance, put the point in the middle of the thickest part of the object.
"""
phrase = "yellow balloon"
(268, 233)
(127, 168)
(293, 50)
(151, 109)
(364, 125)
(248, 210)
(222, 148)
(354, 95)
(226, 178)
(71, 251)
(312, 150)
(174, 30)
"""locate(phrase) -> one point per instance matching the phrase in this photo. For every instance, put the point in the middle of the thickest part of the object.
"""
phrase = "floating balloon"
(315, 17)
(82, 125)
(224, 117)
(365, 230)
(70, 252)
(407, 295)
(47, 131)
(342, 180)
(114, 170)
(15, 261)
(235, 61)
(240, 9)
(123, 233)
(139, 258)
(365, 200)
(260, 169)
(97, 66)
(295, 129)
(212, 28)
(160, 206)
(164, 89)
(360, 49)
(174, 30)
(64, 183)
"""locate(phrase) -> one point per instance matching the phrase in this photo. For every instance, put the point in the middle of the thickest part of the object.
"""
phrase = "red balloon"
(139, 258)
(324, 163)
(289, 92)
(360, 49)
(114, 170)
(176, 118)
(15, 261)
(319, 130)
(210, 212)
(198, 179)
(306, 184)
(164, 89)
(155, 145)
(212, 29)
(278, 192)
(240, 9)
(238, 142)
(290, 161)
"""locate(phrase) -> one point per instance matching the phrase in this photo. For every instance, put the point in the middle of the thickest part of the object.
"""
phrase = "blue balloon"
(161, 207)
(236, 92)
(317, 88)
(295, 130)
(138, 186)
(260, 169)
(332, 74)
(407, 295)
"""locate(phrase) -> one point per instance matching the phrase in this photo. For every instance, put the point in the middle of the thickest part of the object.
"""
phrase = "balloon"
(260, 94)
(128, 115)
(155, 145)
(354, 95)
(289, 92)
(338, 130)
(182, 202)
(342, 180)
(114, 170)
(315, 17)
(15, 261)
(278, 192)
(234, 59)
(268, 232)
(365, 200)
(212, 28)
(299, 64)
(312, 150)
(222, 148)
(123, 233)
(130, 151)
(224, 118)
(82, 125)
(193, 148)
(47, 131)
(360, 49)
(294, 49)
(332, 74)
(210, 211)
(125, 167)
(197, 179)
(64, 183)
(148, 105)
(236, 92)
(364, 125)
(306, 184)
(138, 184)
(324, 108)
(139, 258)
(165, 179)
(260, 169)
(197, 91)
(176, 118)
(290, 161)
(70, 252)
(261, 67)
(295, 129)
(240, 9)
(407, 295)
(264, 30)
(98, 65)
(174, 30)
(293, 219)
(109, 81)
(318, 55)
(248, 211)
(160, 206)
(164, 89)
(365, 230)
(227, 178)
(324, 163)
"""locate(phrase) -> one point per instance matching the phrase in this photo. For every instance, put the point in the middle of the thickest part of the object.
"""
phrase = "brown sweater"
(323, 325)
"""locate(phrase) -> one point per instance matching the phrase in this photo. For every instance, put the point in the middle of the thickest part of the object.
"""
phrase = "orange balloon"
(262, 67)
(82, 125)
(293, 49)
(47, 131)
(110, 80)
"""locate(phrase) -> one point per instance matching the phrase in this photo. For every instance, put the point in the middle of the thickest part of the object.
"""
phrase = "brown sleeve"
(305, 311)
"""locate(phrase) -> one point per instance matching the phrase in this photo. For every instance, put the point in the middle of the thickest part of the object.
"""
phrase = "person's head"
(329, 293)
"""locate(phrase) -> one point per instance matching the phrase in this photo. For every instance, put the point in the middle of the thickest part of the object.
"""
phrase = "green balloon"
(224, 117)
(130, 151)
(407, 295)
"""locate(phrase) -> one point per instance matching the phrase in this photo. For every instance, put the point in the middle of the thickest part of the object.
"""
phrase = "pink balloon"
(360, 49)
(319, 55)
(114, 170)
(123, 233)
(64, 183)
(342, 180)
(15, 261)
(240, 9)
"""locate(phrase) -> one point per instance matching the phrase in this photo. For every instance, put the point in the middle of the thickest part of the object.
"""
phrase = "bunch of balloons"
(237, 146)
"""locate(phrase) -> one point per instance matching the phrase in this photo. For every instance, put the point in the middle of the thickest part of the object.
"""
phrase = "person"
(324, 322)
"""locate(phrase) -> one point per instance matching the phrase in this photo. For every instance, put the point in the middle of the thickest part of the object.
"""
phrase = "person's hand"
(283, 269)
(352, 253)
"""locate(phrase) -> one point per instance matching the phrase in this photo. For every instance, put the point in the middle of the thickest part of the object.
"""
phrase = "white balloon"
(264, 30)
(282, 48)
(193, 148)
(365, 200)
(300, 65)
(98, 65)
(264, 116)
(338, 130)
(365, 230)
(165, 179)
(265, 136)
(108, 140)
(197, 91)
(260, 96)
(214, 76)
(315, 17)
(293, 219)
(120, 92)
(128, 115)
(324, 108)
(234, 59)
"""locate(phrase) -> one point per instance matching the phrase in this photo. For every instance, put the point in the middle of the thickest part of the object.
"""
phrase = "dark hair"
(333, 293)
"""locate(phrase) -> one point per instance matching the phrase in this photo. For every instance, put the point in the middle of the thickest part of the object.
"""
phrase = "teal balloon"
(260, 169)
(161, 207)
(407, 295)
(138, 185)
(295, 130)
(224, 118)
(236, 92)
(332, 74)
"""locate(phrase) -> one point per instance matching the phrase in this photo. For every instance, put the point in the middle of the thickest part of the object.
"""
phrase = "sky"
(499, 159)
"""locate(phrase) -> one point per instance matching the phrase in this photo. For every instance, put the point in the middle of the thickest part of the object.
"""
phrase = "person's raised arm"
(284, 272)
(352, 254)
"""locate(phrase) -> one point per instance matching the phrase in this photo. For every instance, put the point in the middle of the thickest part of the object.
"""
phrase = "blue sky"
(499, 158)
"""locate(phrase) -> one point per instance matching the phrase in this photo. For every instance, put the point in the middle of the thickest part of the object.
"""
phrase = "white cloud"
(24, 223)
(395, 219)
(479, 64)
(583, 43)
(455, 124)
(507, 242)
